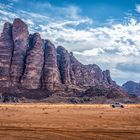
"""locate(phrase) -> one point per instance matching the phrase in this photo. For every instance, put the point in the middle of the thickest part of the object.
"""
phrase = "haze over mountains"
(29, 64)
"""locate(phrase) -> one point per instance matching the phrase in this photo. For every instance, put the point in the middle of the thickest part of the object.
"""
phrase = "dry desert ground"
(69, 122)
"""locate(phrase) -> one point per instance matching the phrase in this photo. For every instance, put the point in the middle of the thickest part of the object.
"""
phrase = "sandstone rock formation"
(20, 36)
(32, 63)
(6, 48)
(89, 75)
(64, 64)
(51, 75)
(33, 68)
(31, 78)
(107, 77)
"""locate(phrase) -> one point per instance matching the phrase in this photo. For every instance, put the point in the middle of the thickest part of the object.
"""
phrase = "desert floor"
(69, 122)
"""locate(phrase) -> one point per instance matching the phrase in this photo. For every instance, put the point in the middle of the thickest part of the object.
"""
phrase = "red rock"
(34, 64)
(86, 75)
(107, 78)
(64, 65)
(6, 48)
(20, 37)
(51, 75)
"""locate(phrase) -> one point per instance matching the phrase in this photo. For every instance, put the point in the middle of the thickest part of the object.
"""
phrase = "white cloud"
(138, 8)
(93, 52)
(72, 12)
(3, 6)
(124, 38)
(122, 76)
(8, 14)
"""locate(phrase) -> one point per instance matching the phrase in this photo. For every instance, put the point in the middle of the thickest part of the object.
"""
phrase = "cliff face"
(89, 75)
(64, 65)
(6, 49)
(20, 36)
(51, 74)
(31, 78)
(29, 62)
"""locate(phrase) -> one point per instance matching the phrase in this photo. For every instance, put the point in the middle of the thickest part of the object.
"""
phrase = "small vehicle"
(117, 104)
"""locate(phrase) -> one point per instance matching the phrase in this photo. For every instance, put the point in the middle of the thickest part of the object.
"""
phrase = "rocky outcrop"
(106, 91)
(107, 77)
(132, 87)
(33, 68)
(21, 44)
(6, 48)
(32, 63)
(89, 75)
(31, 78)
(51, 75)
(64, 63)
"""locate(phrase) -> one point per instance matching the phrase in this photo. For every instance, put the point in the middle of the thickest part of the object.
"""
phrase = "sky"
(102, 32)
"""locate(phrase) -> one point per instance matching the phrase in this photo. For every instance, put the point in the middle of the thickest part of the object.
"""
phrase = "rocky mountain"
(30, 64)
(132, 87)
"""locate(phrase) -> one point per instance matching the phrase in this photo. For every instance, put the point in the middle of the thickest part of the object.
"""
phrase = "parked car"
(117, 104)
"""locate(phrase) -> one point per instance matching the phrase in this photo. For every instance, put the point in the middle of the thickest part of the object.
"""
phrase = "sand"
(69, 122)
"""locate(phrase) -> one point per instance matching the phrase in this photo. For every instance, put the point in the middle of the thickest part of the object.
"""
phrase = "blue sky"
(104, 32)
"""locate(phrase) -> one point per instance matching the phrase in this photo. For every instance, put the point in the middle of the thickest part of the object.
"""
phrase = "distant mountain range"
(132, 87)
(32, 68)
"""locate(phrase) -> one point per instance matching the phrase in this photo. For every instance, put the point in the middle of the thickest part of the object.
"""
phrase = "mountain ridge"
(33, 58)
(132, 87)
(28, 62)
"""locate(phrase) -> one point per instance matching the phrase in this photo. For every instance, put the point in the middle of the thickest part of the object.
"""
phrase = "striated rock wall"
(29, 62)
(107, 77)
(89, 75)
(6, 49)
(20, 36)
(31, 78)
(51, 75)
(64, 64)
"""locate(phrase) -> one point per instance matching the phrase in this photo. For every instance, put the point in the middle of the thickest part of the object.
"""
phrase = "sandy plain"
(40, 121)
